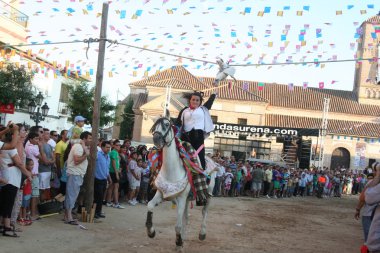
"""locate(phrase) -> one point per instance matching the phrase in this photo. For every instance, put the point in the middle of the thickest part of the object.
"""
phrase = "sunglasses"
(41, 132)
(55, 135)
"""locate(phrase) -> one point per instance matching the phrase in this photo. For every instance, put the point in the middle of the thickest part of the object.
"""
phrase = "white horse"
(172, 182)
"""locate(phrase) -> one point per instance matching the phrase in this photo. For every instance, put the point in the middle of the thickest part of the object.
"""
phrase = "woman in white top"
(196, 122)
(11, 168)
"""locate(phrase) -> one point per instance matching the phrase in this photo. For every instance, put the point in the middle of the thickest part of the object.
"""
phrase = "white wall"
(50, 123)
(50, 88)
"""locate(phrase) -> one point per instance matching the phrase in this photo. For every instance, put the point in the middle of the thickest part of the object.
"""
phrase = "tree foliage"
(16, 85)
(126, 126)
(81, 102)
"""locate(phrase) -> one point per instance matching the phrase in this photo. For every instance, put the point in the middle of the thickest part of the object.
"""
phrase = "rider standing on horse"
(195, 122)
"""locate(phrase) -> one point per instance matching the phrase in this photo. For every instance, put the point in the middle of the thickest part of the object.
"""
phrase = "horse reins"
(166, 134)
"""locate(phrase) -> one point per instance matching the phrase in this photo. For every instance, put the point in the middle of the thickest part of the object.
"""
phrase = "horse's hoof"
(179, 249)
(202, 237)
(152, 235)
(179, 241)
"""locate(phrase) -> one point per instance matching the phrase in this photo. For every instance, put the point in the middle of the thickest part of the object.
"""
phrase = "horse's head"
(162, 132)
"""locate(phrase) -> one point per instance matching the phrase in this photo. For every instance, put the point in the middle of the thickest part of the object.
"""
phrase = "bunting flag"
(229, 86)
(302, 40)
(245, 86)
(260, 86)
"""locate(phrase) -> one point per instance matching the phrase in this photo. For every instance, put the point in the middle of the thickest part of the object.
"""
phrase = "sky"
(242, 32)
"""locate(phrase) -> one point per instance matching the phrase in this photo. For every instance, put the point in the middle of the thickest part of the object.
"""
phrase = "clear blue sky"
(204, 30)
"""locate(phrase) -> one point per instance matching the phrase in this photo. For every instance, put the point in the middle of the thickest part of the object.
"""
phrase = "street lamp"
(38, 116)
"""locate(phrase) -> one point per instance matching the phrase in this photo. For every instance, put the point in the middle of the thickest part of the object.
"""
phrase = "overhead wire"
(115, 42)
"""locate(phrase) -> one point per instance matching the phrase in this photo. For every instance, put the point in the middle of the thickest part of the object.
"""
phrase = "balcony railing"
(13, 14)
(63, 109)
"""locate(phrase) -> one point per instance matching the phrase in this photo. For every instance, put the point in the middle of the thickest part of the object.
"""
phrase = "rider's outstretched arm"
(210, 101)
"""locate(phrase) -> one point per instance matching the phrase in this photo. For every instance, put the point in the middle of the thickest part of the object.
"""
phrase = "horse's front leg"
(185, 219)
(202, 233)
(181, 204)
(149, 218)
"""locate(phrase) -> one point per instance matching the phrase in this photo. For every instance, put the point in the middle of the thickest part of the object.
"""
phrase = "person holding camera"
(7, 130)
(11, 169)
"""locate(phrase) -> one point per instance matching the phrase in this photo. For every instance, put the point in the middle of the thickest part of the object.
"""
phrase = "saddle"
(199, 180)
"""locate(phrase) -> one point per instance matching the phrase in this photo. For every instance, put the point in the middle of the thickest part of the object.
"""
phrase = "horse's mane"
(159, 121)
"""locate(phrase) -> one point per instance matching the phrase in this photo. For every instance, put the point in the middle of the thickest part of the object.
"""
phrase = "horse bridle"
(163, 136)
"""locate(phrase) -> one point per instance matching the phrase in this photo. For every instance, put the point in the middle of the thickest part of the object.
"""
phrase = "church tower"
(367, 73)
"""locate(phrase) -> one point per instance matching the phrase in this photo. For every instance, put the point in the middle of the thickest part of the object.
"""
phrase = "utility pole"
(89, 182)
(323, 131)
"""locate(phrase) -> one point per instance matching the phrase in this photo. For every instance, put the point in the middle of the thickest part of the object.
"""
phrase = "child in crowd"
(284, 183)
(75, 132)
(138, 171)
(144, 183)
(27, 195)
(302, 184)
(132, 177)
(134, 170)
(290, 186)
(228, 176)
(336, 185)
(239, 177)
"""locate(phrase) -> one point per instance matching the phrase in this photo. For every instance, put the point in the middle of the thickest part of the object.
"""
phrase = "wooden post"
(89, 183)
(83, 214)
(92, 214)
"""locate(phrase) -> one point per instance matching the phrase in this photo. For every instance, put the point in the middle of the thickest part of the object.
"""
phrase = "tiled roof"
(276, 94)
(351, 128)
(139, 99)
(179, 78)
(374, 19)
(312, 99)
(178, 73)
(231, 92)
(308, 99)
(174, 82)
(177, 101)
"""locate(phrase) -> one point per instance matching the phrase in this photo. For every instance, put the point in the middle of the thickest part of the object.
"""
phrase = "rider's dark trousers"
(196, 138)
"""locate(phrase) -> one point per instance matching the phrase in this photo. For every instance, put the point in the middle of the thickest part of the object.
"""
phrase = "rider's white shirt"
(193, 119)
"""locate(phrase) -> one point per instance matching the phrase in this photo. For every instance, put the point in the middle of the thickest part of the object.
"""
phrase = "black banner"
(265, 130)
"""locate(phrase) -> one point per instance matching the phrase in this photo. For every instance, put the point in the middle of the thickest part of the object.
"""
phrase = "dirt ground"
(234, 225)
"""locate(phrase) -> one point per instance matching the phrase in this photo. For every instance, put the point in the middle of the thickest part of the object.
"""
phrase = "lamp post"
(38, 116)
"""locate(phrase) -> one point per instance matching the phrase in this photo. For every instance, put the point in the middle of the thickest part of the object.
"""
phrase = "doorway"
(340, 158)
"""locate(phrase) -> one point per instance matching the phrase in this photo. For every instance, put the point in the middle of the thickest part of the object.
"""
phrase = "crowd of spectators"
(236, 178)
(40, 164)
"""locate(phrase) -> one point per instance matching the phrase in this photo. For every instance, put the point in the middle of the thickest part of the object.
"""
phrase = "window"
(242, 121)
(64, 95)
(262, 148)
(242, 137)
(214, 119)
